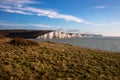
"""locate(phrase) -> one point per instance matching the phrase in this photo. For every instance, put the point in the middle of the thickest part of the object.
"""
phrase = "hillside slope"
(24, 33)
(50, 61)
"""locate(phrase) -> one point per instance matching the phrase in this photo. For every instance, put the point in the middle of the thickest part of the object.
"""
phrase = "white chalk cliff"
(58, 34)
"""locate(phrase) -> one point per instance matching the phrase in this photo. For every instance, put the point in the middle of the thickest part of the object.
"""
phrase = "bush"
(50, 42)
(23, 42)
(2, 36)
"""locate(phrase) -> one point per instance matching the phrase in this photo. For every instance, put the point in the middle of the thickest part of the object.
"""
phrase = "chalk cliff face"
(57, 34)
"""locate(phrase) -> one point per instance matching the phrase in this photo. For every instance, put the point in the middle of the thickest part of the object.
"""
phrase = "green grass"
(49, 61)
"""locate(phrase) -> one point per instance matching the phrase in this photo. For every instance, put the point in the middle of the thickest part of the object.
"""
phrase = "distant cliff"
(42, 34)
(57, 34)
(91, 35)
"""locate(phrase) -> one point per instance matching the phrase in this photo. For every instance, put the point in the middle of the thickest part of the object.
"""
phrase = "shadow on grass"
(23, 42)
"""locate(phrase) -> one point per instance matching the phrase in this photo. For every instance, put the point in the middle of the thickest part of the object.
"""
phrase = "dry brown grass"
(2, 36)
(23, 42)
(57, 62)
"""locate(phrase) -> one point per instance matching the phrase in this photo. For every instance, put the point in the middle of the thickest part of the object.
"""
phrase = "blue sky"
(80, 16)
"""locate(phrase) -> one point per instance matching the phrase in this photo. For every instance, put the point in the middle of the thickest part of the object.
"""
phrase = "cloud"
(53, 14)
(100, 7)
(116, 24)
(16, 11)
(1, 20)
(18, 25)
(21, 7)
(17, 2)
(40, 25)
(71, 30)
(108, 24)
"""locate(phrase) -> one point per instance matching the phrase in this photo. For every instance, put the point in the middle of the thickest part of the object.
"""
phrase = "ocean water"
(102, 43)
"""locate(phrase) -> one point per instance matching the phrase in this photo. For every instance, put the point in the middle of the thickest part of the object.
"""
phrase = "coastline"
(100, 43)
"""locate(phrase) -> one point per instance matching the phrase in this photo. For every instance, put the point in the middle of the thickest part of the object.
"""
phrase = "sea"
(100, 43)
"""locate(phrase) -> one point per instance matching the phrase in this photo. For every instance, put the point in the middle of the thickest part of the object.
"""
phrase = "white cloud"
(24, 25)
(17, 2)
(116, 24)
(21, 7)
(5, 7)
(100, 7)
(53, 14)
(1, 20)
(40, 25)
(107, 25)
(16, 11)
(71, 30)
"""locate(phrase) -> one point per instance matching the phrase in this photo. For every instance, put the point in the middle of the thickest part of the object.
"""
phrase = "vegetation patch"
(50, 42)
(2, 36)
(23, 42)
(56, 62)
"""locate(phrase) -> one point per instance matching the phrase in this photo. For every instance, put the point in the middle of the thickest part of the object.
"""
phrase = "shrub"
(50, 42)
(2, 36)
(23, 42)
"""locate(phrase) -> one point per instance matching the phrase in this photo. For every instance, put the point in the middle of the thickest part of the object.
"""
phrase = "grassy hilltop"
(27, 60)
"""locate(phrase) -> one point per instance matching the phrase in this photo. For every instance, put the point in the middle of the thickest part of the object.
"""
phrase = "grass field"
(50, 61)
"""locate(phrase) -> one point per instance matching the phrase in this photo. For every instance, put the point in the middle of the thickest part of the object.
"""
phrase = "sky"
(77, 16)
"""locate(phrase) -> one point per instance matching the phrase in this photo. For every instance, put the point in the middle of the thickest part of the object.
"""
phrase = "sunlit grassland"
(50, 61)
